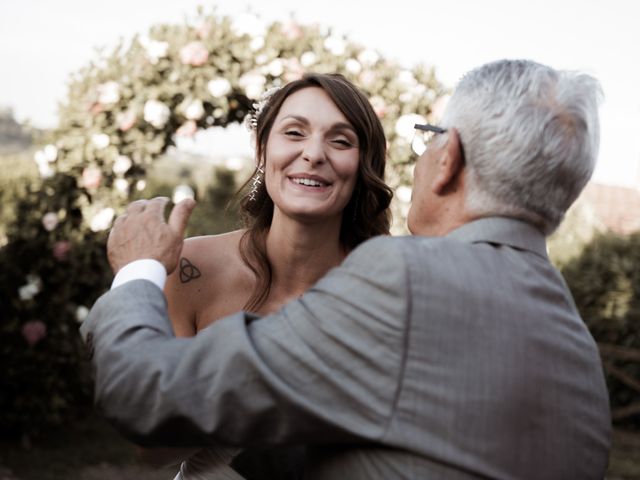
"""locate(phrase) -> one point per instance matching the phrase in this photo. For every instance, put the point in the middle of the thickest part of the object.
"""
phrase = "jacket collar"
(504, 231)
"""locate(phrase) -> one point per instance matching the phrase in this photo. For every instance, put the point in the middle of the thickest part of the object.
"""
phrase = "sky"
(42, 42)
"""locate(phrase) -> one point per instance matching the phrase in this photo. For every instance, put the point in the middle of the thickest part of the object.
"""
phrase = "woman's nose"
(314, 151)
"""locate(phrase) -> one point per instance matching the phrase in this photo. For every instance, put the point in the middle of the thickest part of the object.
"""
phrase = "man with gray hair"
(454, 353)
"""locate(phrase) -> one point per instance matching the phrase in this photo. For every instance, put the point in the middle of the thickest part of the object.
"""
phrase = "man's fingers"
(137, 206)
(156, 207)
(180, 215)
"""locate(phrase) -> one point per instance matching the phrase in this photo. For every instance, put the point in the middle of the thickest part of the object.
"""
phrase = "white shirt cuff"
(145, 269)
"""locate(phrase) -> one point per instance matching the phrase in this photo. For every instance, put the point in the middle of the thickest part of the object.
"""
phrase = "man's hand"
(141, 232)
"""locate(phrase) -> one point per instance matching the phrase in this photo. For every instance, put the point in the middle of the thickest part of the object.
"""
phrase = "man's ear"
(450, 164)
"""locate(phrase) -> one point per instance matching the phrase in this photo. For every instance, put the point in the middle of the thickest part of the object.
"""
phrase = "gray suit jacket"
(444, 358)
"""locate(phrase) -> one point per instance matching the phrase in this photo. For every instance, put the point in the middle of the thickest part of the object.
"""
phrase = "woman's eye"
(293, 133)
(343, 142)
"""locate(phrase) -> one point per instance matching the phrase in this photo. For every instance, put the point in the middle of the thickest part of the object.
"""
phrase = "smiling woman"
(316, 193)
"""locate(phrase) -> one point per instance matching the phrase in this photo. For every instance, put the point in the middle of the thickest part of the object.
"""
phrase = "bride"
(317, 192)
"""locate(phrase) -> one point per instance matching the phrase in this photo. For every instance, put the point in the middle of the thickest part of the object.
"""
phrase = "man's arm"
(325, 367)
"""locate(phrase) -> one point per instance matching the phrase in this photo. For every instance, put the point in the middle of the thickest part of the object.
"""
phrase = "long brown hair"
(367, 213)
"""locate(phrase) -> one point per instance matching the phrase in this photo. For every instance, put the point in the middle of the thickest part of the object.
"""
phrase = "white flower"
(219, 87)
(248, 24)
(42, 159)
(50, 153)
(108, 93)
(335, 44)
(406, 78)
(252, 83)
(50, 221)
(121, 185)
(155, 49)
(122, 165)
(156, 113)
(261, 59)
(81, 313)
(31, 288)
(181, 192)
(276, 67)
(195, 110)
(405, 125)
(405, 97)
(353, 66)
(234, 164)
(100, 140)
(102, 220)
(307, 59)
(403, 193)
(141, 185)
(256, 43)
(368, 57)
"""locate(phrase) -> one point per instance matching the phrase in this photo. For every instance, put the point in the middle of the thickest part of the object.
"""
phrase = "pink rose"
(33, 331)
(91, 177)
(203, 30)
(61, 250)
(292, 31)
(194, 54)
(187, 129)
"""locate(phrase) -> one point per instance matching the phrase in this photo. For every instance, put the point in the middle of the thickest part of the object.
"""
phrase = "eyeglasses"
(423, 135)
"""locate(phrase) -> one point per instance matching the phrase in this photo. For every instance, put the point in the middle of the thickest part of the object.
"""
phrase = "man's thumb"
(180, 215)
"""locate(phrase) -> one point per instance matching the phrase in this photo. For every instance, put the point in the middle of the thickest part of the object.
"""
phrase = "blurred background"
(105, 102)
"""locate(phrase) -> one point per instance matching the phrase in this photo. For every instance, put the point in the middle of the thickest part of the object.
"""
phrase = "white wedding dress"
(209, 464)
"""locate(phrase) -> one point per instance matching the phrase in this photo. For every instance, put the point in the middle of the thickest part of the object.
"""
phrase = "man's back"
(501, 377)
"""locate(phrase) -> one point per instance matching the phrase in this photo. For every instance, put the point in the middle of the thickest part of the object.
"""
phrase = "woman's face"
(312, 157)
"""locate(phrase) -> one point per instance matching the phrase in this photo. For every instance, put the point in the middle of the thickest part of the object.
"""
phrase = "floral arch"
(123, 111)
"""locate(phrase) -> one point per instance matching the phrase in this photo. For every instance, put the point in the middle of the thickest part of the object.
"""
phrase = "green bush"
(605, 282)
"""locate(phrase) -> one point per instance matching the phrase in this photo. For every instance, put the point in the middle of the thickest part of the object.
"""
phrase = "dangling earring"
(255, 184)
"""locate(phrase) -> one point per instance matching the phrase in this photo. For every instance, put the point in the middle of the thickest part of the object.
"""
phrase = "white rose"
(50, 221)
(141, 185)
(219, 87)
(353, 66)
(100, 140)
(405, 125)
(406, 78)
(234, 164)
(276, 67)
(81, 313)
(252, 83)
(50, 153)
(403, 193)
(122, 165)
(156, 113)
(102, 220)
(121, 185)
(368, 57)
(108, 93)
(256, 43)
(248, 24)
(181, 192)
(335, 45)
(41, 159)
(261, 59)
(195, 110)
(155, 50)
(307, 59)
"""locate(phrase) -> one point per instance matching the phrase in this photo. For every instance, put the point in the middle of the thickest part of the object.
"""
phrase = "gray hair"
(530, 136)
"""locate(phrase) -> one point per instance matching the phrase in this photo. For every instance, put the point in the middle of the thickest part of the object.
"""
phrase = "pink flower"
(187, 129)
(33, 331)
(203, 30)
(91, 177)
(293, 70)
(126, 120)
(291, 30)
(61, 250)
(194, 54)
